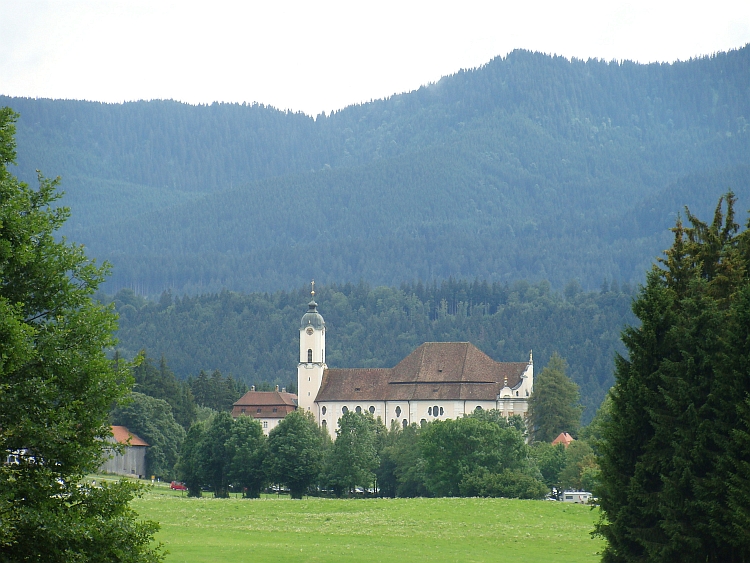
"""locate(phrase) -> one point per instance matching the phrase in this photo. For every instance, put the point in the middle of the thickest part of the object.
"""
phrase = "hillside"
(529, 167)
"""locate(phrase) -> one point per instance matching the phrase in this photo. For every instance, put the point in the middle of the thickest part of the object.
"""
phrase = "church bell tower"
(312, 356)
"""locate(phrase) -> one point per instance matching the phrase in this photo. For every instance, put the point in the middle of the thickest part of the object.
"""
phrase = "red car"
(177, 486)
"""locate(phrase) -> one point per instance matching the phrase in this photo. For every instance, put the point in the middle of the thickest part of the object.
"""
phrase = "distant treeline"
(254, 337)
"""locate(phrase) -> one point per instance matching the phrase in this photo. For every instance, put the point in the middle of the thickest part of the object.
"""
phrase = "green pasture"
(274, 529)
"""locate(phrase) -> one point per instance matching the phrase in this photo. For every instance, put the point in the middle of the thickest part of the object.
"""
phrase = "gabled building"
(438, 380)
(563, 438)
(267, 407)
(132, 461)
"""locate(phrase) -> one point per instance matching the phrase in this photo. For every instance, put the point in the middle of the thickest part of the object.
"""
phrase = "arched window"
(441, 411)
(398, 412)
(323, 423)
(429, 411)
(309, 356)
(371, 409)
(344, 410)
(479, 408)
(323, 410)
(358, 410)
(405, 423)
(435, 410)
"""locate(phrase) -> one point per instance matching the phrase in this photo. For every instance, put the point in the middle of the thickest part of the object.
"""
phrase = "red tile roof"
(564, 438)
(435, 370)
(124, 436)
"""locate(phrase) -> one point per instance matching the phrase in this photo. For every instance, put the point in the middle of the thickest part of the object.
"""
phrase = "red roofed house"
(267, 407)
(564, 438)
(132, 461)
(436, 381)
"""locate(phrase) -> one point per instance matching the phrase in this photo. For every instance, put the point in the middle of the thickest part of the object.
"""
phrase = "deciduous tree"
(354, 458)
(295, 452)
(56, 388)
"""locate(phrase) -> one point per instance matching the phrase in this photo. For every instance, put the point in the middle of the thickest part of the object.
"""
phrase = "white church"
(436, 381)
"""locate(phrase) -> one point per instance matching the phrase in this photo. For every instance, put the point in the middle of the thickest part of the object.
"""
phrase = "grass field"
(368, 530)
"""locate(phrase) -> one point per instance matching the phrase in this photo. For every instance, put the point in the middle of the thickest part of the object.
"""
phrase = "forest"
(254, 337)
(531, 167)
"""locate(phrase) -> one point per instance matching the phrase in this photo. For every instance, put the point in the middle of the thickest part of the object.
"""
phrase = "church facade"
(438, 380)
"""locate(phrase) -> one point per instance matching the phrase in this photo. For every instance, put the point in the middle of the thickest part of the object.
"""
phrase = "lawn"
(363, 530)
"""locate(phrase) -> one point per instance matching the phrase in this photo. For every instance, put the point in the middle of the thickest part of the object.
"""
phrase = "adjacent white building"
(436, 381)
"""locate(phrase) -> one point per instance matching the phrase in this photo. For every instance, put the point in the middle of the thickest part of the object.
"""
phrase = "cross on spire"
(313, 289)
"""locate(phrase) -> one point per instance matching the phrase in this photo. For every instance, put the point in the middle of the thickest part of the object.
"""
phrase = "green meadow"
(274, 529)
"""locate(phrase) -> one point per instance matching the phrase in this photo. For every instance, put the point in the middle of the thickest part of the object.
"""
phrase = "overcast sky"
(314, 56)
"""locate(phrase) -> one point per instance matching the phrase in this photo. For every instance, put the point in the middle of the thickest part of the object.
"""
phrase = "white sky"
(324, 55)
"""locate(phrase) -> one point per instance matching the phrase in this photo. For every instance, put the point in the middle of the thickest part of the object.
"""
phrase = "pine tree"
(553, 406)
(674, 456)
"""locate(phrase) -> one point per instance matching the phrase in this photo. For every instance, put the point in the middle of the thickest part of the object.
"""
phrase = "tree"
(553, 406)
(402, 468)
(580, 467)
(550, 460)
(188, 465)
(152, 420)
(295, 452)
(354, 456)
(213, 453)
(675, 483)
(56, 388)
(247, 450)
(456, 449)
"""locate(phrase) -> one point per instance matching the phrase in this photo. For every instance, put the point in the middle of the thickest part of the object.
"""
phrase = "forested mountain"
(254, 337)
(529, 167)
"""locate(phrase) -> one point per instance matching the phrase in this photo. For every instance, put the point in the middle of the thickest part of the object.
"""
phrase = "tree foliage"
(553, 406)
(353, 458)
(56, 388)
(573, 165)
(247, 450)
(295, 452)
(674, 455)
(152, 420)
(464, 452)
(161, 383)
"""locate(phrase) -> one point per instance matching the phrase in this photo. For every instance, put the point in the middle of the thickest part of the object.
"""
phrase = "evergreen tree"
(674, 457)
(553, 406)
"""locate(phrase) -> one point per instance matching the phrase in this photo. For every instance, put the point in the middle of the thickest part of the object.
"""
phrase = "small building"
(267, 407)
(132, 460)
(564, 438)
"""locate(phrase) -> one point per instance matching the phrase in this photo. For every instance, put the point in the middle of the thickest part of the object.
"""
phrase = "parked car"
(177, 486)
